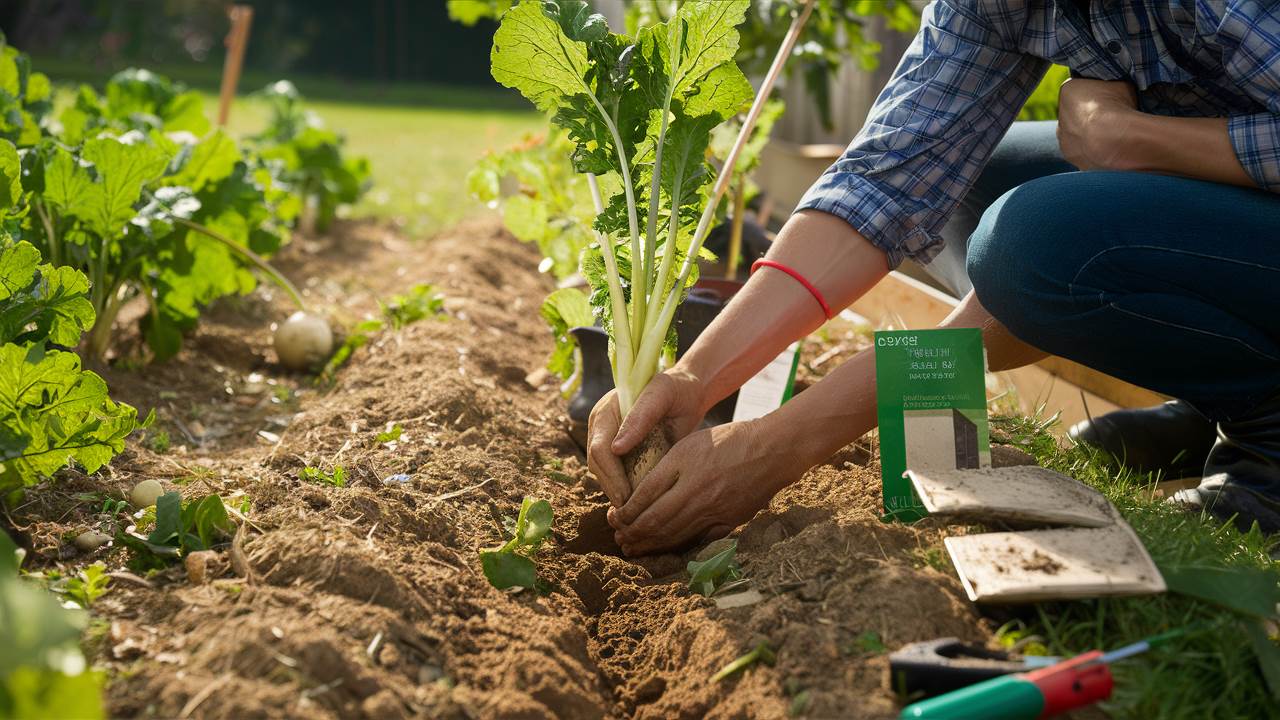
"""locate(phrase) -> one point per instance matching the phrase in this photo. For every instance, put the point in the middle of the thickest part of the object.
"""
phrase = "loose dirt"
(367, 601)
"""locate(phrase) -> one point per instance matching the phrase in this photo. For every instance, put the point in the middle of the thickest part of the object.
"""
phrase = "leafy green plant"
(550, 205)
(761, 653)
(512, 564)
(421, 302)
(180, 528)
(564, 310)
(85, 587)
(52, 413)
(707, 575)
(833, 35)
(390, 435)
(311, 156)
(26, 97)
(337, 478)
(178, 222)
(134, 99)
(136, 192)
(42, 670)
(641, 109)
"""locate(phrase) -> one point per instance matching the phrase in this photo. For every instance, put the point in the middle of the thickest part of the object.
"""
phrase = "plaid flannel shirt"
(970, 69)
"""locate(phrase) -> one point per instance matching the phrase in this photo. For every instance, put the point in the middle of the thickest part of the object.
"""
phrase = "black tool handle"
(939, 666)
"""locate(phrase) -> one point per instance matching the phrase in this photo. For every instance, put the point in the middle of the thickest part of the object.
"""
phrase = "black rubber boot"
(1242, 474)
(1172, 438)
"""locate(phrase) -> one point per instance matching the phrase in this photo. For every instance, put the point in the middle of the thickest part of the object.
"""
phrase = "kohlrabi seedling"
(640, 110)
(705, 576)
(511, 565)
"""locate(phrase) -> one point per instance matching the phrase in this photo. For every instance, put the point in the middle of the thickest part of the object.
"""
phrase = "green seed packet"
(932, 405)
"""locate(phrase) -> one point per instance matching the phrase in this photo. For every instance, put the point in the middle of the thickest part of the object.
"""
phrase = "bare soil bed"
(368, 600)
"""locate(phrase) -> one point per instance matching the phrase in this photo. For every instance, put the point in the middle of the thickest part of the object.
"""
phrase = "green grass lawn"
(1223, 590)
(420, 155)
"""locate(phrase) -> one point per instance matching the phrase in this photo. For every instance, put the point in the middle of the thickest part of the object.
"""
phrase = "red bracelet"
(817, 294)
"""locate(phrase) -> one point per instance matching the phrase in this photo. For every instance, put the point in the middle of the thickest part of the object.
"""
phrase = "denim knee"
(1021, 258)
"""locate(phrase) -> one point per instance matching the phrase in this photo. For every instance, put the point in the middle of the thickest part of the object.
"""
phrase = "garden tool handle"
(1043, 693)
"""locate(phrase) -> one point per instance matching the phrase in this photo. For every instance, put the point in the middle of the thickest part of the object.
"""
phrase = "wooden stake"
(241, 17)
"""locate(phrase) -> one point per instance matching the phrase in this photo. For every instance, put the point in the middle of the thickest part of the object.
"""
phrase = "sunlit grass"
(1212, 672)
(420, 155)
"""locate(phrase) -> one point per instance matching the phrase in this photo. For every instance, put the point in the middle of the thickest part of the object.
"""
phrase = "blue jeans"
(1169, 283)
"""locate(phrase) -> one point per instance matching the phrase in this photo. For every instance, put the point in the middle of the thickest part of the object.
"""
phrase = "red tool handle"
(1077, 682)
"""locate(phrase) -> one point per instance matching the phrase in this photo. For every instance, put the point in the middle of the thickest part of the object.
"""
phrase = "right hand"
(673, 399)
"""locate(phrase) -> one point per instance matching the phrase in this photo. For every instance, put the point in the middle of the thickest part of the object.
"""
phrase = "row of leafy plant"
(131, 194)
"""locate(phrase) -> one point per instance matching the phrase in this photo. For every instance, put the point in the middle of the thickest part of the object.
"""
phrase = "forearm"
(841, 407)
(773, 309)
(1191, 147)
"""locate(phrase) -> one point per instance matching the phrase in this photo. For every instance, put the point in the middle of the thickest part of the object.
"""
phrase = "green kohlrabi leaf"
(563, 310)
(535, 521)
(122, 170)
(577, 19)
(66, 183)
(507, 570)
(526, 218)
(705, 576)
(531, 54)
(10, 175)
(211, 160)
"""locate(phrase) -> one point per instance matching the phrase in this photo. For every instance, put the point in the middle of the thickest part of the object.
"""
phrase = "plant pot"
(755, 243)
(705, 301)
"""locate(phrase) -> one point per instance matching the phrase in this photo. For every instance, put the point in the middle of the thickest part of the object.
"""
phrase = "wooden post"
(241, 17)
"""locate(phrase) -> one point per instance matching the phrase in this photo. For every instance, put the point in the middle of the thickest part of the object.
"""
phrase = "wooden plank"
(1054, 385)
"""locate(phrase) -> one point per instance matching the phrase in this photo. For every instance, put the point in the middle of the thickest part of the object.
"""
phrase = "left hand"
(711, 482)
(1094, 119)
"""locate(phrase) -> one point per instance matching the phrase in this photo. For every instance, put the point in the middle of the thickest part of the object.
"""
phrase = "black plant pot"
(755, 243)
(700, 307)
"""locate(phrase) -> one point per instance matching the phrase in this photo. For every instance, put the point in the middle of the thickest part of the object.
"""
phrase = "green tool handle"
(1009, 697)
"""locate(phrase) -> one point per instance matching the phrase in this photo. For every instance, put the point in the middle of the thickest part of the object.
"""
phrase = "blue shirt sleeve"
(1251, 36)
(950, 100)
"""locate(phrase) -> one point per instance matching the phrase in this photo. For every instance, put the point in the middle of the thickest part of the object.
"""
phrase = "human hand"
(673, 399)
(710, 482)
(1094, 123)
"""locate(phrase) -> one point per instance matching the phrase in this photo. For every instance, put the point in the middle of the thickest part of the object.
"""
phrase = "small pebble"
(90, 540)
(397, 479)
(145, 493)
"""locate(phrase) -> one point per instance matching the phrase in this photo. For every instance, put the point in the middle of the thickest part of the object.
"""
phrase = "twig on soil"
(456, 493)
(130, 577)
(204, 694)
(321, 689)
(182, 426)
(374, 645)
(244, 519)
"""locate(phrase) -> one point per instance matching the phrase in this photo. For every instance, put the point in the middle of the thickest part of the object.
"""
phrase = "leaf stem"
(735, 230)
(638, 280)
(55, 248)
(651, 344)
(246, 253)
(623, 350)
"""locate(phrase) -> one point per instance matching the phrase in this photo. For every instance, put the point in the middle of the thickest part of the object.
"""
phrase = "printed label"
(770, 387)
(932, 406)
